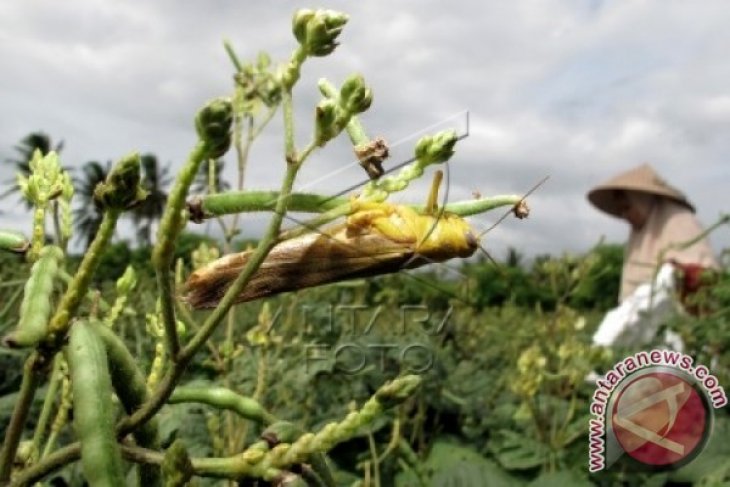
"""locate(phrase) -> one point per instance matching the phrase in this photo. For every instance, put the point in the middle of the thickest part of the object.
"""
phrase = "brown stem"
(31, 378)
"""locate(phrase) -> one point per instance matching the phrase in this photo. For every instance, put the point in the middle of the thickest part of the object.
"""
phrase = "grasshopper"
(376, 238)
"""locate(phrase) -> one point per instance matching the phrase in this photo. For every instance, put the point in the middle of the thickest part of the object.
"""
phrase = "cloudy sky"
(575, 89)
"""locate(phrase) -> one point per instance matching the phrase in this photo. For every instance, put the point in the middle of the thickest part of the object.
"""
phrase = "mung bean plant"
(99, 404)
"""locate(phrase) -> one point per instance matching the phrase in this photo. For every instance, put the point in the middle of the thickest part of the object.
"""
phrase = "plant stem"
(257, 258)
(159, 398)
(91, 296)
(57, 330)
(374, 455)
(39, 231)
(57, 227)
(395, 437)
(79, 285)
(288, 108)
(266, 466)
(205, 467)
(50, 399)
(170, 227)
(232, 55)
(31, 378)
(49, 464)
(241, 155)
(12, 301)
(260, 127)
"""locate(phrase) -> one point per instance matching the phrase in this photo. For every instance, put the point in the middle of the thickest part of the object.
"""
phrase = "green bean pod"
(93, 408)
(222, 398)
(13, 242)
(35, 309)
(131, 388)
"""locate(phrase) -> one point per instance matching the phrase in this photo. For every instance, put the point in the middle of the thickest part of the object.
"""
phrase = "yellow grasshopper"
(376, 238)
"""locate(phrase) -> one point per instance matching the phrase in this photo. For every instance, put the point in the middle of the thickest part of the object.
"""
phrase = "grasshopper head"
(446, 237)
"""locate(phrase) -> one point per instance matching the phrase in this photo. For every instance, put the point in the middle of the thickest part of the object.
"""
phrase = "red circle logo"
(660, 419)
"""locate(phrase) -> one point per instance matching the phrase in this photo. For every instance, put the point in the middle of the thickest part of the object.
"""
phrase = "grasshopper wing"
(307, 261)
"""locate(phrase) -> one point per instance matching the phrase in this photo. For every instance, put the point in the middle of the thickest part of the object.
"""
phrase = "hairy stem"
(171, 225)
(51, 463)
(39, 231)
(79, 285)
(186, 354)
(289, 143)
(232, 55)
(50, 399)
(57, 329)
(31, 378)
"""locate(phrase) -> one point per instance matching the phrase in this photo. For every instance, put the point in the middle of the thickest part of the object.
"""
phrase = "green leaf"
(518, 452)
(712, 465)
(565, 478)
(450, 465)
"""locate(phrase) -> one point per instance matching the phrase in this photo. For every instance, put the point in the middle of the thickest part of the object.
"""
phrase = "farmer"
(662, 222)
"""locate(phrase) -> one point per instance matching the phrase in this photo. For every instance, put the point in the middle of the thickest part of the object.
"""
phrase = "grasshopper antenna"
(491, 259)
(515, 208)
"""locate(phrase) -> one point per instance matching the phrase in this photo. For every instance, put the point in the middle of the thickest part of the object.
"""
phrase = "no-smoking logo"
(660, 418)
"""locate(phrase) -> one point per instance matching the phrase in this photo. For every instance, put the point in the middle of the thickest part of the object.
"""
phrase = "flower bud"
(263, 61)
(327, 122)
(317, 31)
(22, 183)
(122, 188)
(45, 181)
(397, 390)
(66, 219)
(67, 187)
(252, 456)
(127, 281)
(355, 96)
(434, 149)
(34, 192)
(299, 24)
(213, 124)
(204, 255)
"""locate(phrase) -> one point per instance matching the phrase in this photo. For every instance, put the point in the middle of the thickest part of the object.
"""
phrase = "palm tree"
(514, 257)
(25, 150)
(155, 180)
(88, 215)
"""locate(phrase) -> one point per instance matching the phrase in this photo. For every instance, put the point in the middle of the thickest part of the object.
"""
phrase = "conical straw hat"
(643, 179)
